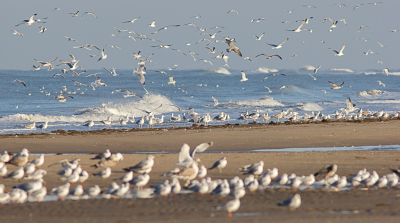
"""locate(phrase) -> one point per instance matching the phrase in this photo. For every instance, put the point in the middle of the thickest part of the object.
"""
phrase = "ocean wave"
(310, 107)
(308, 67)
(392, 101)
(102, 112)
(369, 73)
(369, 93)
(342, 70)
(394, 73)
(262, 102)
(220, 70)
(266, 70)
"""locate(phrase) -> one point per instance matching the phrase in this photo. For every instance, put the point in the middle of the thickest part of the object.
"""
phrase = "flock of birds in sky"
(195, 179)
(72, 66)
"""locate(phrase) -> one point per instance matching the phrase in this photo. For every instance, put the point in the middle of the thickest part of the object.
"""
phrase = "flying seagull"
(132, 21)
(232, 47)
(244, 78)
(336, 87)
(19, 81)
(274, 46)
(269, 57)
(339, 53)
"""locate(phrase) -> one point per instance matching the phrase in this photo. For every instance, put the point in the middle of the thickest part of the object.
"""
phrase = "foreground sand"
(317, 206)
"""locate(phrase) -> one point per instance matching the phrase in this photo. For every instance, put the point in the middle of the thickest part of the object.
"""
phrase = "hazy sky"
(378, 20)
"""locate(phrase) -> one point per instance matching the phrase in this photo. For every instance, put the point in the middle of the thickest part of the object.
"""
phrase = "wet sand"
(381, 205)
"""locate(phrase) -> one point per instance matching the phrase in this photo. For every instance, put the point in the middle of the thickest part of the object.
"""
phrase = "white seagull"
(274, 46)
(339, 53)
(244, 78)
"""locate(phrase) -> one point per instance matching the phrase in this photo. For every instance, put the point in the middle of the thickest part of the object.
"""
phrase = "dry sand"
(381, 205)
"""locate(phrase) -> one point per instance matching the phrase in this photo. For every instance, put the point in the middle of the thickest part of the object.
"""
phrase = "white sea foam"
(369, 93)
(116, 111)
(262, 102)
(342, 70)
(394, 101)
(266, 70)
(394, 73)
(311, 107)
(308, 67)
(220, 70)
(369, 73)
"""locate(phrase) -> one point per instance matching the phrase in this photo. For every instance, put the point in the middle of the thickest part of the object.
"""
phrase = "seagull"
(164, 28)
(71, 39)
(215, 101)
(259, 37)
(140, 72)
(103, 55)
(313, 77)
(46, 64)
(316, 69)
(15, 32)
(74, 14)
(220, 164)
(299, 28)
(231, 206)
(232, 11)
(350, 106)
(113, 73)
(90, 13)
(380, 44)
(172, 81)
(106, 173)
(278, 46)
(132, 21)
(339, 53)
(292, 203)
(325, 92)
(232, 47)
(269, 57)
(248, 58)
(149, 113)
(19, 81)
(336, 87)
(30, 21)
(43, 126)
(212, 50)
(153, 24)
(244, 78)
(327, 171)
(361, 28)
(129, 94)
(386, 70)
(144, 166)
(55, 75)
(269, 90)
(289, 11)
(257, 20)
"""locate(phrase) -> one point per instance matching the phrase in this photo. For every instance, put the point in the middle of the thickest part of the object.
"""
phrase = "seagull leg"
(229, 214)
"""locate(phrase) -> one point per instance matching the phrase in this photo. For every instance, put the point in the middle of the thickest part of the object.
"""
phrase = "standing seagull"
(244, 78)
(339, 53)
(293, 203)
(274, 46)
(327, 171)
(220, 164)
(232, 47)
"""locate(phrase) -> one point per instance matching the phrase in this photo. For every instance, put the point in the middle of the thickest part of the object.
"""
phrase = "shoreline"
(225, 137)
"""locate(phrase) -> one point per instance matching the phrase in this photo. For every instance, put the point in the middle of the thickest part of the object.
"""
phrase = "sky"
(311, 48)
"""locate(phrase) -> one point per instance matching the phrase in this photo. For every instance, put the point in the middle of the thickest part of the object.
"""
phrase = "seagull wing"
(184, 154)
(283, 41)
(243, 75)
(341, 84)
(201, 148)
(157, 108)
(349, 104)
(277, 56)
(333, 84)
(23, 83)
(341, 50)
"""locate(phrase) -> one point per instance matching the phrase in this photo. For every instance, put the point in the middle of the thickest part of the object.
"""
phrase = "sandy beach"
(381, 205)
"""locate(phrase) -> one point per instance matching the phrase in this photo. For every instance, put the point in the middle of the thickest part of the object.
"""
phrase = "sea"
(301, 89)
